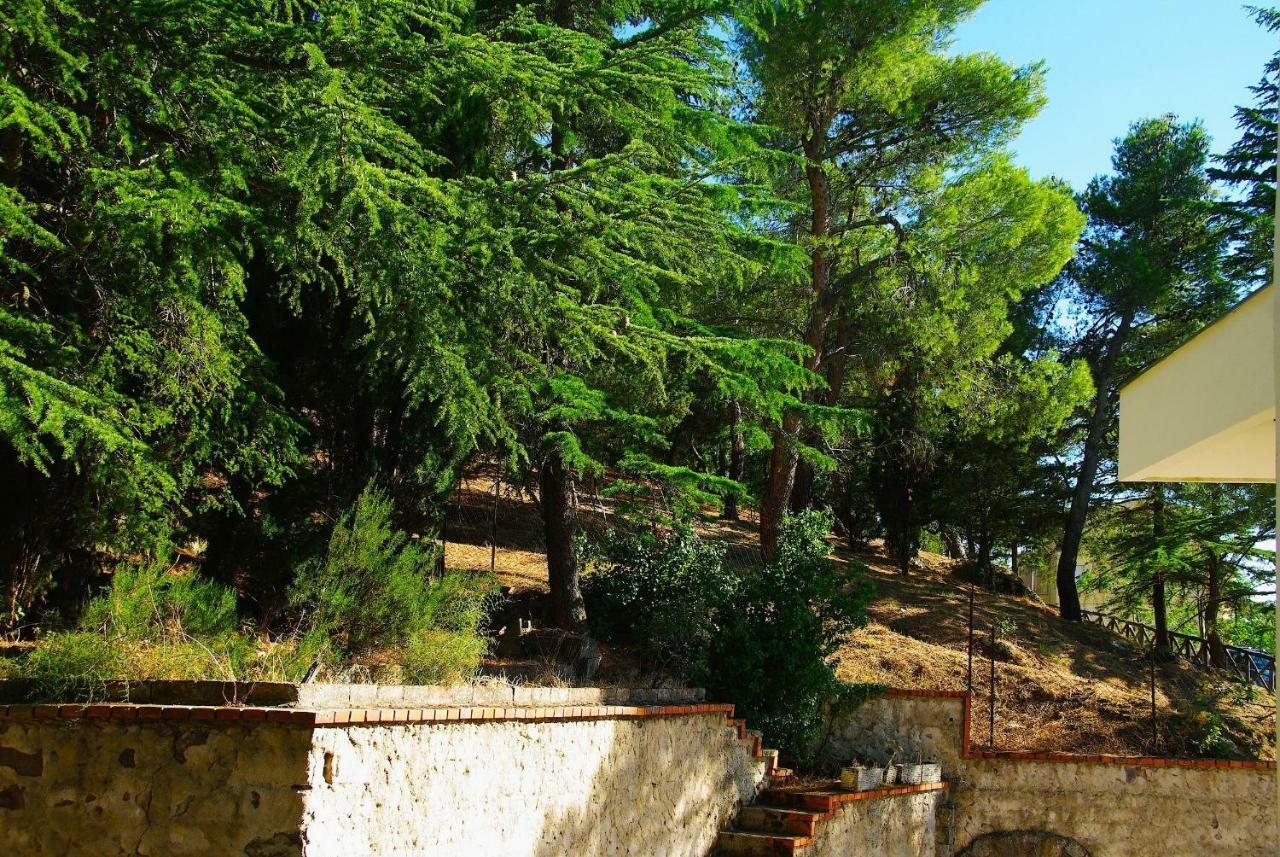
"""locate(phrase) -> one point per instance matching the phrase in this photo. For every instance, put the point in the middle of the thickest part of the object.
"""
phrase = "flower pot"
(908, 775)
(914, 775)
(861, 778)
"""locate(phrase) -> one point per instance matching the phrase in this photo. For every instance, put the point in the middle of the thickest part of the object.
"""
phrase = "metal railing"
(1254, 667)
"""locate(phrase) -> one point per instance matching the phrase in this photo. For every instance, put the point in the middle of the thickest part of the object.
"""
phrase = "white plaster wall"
(658, 787)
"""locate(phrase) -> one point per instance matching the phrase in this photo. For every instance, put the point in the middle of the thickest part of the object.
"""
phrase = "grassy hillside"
(1060, 686)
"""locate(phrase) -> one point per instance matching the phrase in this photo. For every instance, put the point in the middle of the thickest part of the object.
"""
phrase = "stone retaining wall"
(1111, 806)
(275, 782)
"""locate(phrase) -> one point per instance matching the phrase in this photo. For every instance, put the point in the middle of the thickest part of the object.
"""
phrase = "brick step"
(736, 843)
(828, 799)
(775, 820)
(780, 777)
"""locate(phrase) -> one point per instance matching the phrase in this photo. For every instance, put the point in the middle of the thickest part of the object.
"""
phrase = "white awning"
(1206, 413)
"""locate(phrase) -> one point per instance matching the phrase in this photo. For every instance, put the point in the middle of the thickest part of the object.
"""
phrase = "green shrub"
(438, 656)
(75, 665)
(149, 602)
(375, 588)
(762, 639)
(156, 623)
(669, 597)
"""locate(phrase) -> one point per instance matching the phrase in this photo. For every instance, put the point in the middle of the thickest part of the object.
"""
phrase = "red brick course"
(353, 716)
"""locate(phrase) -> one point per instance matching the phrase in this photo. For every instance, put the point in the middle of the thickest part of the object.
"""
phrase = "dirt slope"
(1060, 686)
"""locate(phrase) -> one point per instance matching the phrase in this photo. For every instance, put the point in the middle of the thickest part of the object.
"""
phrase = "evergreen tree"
(1185, 551)
(1146, 275)
(874, 115)
(1249, 167)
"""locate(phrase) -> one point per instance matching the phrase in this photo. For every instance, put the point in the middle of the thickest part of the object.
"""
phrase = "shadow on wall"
(654, 792)
(1019, 843)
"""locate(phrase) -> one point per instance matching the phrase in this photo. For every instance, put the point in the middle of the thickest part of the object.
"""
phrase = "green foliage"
(377, 588)
(1249, 169)
(154, 622)
(147, 602)
(737, 634)
(72, 665)
(668, 596)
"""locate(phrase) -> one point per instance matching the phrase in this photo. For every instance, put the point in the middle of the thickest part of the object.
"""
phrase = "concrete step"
(775, 820)
(734, 843)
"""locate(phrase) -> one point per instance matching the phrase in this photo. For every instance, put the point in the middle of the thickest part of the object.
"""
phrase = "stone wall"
(904, 725)
(901, 826)
(1119, 810)
(1111, 806)
(105, 787)
(275, 782)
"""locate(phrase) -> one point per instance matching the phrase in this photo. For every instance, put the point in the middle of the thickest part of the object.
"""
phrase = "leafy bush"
(156, 623)
(436, 656)
(147, 602)
(666, 596)
(375, 588)
(762, 639)
(75, 665)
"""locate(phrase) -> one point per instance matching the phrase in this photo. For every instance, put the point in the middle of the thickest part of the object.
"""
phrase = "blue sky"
(1110, 62)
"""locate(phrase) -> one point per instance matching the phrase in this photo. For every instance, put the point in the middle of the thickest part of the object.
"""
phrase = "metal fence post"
(991, 726)
(970, 673)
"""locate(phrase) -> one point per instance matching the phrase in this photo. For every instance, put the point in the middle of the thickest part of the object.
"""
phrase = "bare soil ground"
(1059, 686)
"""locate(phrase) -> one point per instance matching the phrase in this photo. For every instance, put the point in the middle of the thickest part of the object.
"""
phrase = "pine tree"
(873, 114)
(1146, 275)
(1249, 167)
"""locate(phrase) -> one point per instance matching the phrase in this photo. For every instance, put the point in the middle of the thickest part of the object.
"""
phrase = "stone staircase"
(786, 817)
(774, 776)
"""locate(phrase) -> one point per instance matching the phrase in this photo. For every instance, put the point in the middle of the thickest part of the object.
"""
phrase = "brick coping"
(130, 712)
(839, 796)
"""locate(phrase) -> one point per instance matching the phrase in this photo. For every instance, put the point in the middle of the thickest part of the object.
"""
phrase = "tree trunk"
(1068, 594)
(556, 483)
(737, 455)
(782, 461)
(802, 490)
(1159, 606)
(1213, 600)
(953, 543)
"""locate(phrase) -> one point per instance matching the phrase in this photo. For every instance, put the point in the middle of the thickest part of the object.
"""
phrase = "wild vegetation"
(278, 276)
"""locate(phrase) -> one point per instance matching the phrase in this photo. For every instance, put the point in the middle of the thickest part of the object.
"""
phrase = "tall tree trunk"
(556, 483)
(1159, 605)
(782, 461)
(737, 458)
(1212, 602)
(802, 490)
(835, 366)
(953, 543)
(1068, 594)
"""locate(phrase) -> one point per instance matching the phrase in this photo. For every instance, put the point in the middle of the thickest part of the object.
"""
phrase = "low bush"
(375, 588)
(154, 622)
(762, 639)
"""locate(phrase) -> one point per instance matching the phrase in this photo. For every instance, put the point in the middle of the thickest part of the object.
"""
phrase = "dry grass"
(1060, 686)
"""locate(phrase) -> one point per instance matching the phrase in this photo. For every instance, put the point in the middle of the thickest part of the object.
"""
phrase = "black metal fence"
(1257, 668)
